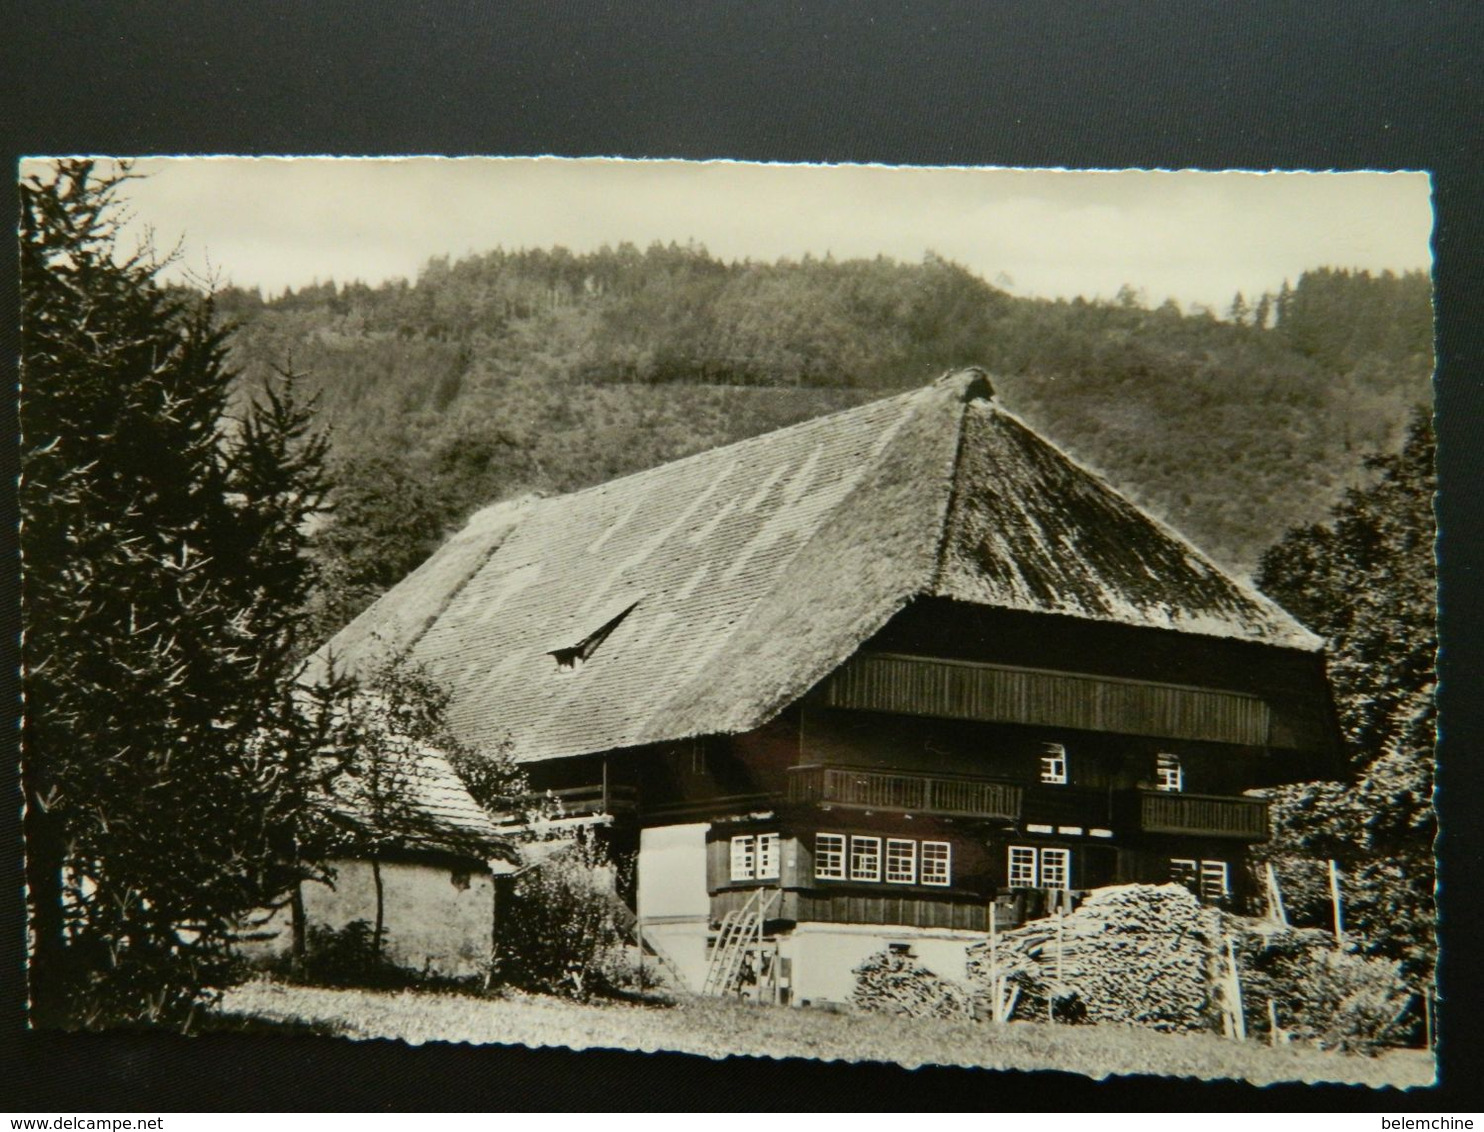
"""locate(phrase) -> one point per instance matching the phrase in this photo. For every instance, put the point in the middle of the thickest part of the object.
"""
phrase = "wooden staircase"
(648, 945)
(741, 934)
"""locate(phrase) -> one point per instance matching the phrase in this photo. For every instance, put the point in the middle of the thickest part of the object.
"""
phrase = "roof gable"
(750, 572)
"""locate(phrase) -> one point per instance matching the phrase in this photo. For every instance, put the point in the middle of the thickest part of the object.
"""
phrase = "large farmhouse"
(867, 681)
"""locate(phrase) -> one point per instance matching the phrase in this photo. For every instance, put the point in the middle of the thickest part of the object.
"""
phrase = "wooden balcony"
(576, 804)
(1206, 815)
(860, 788)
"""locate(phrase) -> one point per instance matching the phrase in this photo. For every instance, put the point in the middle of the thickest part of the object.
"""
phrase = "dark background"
(1145, 83)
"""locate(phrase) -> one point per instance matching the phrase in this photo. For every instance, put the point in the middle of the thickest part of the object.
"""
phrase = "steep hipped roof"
(731, 582)
(435, 811)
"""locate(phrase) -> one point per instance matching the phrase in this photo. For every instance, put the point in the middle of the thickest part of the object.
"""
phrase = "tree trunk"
(380, 908)
(299, 947)
(44, 859)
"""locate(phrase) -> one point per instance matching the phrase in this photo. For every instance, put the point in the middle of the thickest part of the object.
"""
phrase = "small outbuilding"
(431, 886)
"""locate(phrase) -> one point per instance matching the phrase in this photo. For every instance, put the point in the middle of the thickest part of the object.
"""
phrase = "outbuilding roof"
(706, 595)
(433, 810)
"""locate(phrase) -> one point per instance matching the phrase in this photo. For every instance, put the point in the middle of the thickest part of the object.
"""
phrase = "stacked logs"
(1152, 955)
(890, 982)
(1140, 954)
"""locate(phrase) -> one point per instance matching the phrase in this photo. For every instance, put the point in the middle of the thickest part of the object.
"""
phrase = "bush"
(560, 929)
(350, 957)
(891, 982)
(1335, 999)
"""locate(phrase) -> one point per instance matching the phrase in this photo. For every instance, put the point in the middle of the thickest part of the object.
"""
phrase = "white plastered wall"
(438, 919)
(825, 956)
(673, 901)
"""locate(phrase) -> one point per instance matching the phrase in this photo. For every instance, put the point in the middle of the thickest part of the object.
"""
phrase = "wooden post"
(1427, 1016)
(639, 939)
(1061, 944)
(489, 970)
(1061, 935)
(1276, 1036)
(380, 928)
(1276, 912)
(994, 966)
(1334, 895)
(1234, 992)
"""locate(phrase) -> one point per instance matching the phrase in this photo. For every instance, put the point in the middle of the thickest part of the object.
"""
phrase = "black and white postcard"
(973, 617)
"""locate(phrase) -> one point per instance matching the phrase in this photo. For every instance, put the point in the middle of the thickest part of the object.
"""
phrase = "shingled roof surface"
(443, 814)
(733, 581)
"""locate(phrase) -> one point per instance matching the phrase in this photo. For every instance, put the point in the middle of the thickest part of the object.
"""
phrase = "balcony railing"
(576, 802)
(1206, 814)
(912, 793)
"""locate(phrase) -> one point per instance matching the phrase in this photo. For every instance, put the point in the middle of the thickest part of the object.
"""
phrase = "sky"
(1192, 236)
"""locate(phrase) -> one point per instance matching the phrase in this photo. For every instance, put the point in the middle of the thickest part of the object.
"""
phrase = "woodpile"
(892, 982)
(1142, 954)
(1152, 955)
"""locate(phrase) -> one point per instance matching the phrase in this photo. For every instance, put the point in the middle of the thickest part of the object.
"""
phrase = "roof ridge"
(944, 527)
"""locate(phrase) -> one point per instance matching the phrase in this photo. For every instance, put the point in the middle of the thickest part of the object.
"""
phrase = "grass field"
(717, 1028)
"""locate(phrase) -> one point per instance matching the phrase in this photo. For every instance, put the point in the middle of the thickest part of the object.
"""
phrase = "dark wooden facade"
(936, 734)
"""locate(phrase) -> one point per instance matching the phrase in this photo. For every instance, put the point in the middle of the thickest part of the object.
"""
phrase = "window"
(865, 858)
(860, 857)
(572, 657)
(1022, 867)
(1054, 764)
(901, 861)
(1214, 884)
(755, 858)
(1040, 868)
(937, 859)
(1210, 880)
(744, 858)
(829, 856)
(1168, 774)
(767, 856)
(1056, 868)
(1183, 871)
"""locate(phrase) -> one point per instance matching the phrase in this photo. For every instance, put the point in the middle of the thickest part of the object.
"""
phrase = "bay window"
(865, 858)
(829, 856)
(755, 857)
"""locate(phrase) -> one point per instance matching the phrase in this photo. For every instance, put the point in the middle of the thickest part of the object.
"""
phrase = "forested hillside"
(545, 370)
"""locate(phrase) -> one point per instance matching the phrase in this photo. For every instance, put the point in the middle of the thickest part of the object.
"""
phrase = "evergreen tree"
(1239, 311)
(1262, 312)
(169, 781)
(1366, 580)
